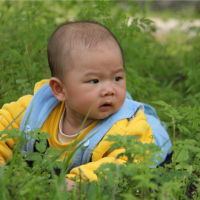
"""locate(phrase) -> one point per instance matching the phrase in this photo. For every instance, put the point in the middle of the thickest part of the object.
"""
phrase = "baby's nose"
(107, 90)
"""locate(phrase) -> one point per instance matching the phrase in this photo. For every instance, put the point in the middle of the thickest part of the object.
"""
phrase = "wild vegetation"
(163, 74)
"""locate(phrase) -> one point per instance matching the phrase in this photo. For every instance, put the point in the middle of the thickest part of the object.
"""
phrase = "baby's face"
(97, 76)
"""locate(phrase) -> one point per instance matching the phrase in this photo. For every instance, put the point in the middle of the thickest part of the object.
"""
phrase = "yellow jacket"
(138, 126)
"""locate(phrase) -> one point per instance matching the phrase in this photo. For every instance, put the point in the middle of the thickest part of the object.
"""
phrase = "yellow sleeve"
(10, 111)
(138, 126)
(87, 171)
(7, 114)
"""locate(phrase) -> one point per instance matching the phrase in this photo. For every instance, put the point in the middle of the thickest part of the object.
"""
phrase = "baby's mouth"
(106, 105)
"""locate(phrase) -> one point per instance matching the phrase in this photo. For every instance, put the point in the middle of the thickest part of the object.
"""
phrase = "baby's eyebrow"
(100, 73)
(119, 70)
(91, 74)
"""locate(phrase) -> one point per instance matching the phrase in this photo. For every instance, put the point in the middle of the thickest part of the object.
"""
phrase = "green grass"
(166, 71)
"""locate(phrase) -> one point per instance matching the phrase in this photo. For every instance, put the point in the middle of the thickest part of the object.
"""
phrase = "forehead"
(83, 52)
(96, 59)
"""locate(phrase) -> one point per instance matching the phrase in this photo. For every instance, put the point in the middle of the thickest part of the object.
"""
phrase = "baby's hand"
(70, 183)
(1, 164)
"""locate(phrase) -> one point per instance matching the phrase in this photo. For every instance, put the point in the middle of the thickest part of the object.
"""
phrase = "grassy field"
(162, 71)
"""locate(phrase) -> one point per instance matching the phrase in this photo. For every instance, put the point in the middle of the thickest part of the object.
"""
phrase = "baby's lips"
(107, 104)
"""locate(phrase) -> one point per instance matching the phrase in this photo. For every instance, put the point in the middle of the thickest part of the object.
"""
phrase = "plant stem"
(116, 182)
(173, 142)
(142, 192)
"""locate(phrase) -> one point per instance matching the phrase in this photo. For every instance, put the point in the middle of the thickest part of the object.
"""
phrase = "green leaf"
(41, 146)
(44, 135)
(34, 156)
(183, 129)
(183, 155)
(128, 197)
(182, 165)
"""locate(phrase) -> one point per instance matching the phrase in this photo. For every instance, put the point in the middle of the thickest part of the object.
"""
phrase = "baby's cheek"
(85, 104)
(122, 95)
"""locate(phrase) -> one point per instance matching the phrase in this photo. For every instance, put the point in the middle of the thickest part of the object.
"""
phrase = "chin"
(104, 116)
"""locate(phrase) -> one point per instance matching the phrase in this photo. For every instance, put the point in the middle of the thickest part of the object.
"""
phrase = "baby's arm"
(87, 171)
(8, 113)
(136, 127)
(140, 125)
(161, 136)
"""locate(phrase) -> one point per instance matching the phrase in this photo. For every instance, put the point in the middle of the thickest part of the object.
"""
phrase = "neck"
(72, 124)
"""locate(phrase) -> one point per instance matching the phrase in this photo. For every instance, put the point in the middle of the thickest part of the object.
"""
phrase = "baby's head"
(87, 66)
(68, 38)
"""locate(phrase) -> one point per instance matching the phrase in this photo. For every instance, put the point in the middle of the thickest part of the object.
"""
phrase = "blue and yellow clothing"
(137, 126)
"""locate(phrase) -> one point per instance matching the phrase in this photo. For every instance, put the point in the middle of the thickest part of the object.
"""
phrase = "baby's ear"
(57, 88)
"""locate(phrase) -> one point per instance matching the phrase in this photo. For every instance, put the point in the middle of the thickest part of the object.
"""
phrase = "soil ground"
(164, 27)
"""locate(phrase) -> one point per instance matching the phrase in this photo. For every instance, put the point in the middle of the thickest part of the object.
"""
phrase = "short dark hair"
(72, 34)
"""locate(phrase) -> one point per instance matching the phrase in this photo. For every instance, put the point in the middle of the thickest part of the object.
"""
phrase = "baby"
(88, 83)
(87, 67)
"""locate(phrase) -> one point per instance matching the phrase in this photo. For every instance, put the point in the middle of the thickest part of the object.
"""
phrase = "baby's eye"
(95, 81)
(117, 78)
